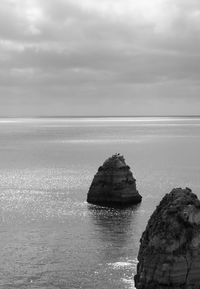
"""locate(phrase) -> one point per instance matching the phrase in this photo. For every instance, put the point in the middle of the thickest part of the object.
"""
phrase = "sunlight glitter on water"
(40, 194)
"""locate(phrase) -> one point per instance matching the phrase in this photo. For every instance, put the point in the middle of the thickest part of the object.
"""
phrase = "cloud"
(96, 46)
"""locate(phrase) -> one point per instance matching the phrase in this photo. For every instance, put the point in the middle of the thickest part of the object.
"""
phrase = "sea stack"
(114, 184)
(169, 255)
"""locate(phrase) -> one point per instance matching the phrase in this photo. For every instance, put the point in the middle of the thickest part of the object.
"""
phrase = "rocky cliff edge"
(169, 255)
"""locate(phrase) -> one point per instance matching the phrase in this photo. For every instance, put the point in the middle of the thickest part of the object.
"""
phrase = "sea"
(50, 237)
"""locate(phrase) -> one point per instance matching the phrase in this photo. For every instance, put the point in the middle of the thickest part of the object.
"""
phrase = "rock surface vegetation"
(169, 254)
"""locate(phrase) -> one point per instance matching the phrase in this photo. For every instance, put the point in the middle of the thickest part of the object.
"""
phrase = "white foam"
(120, 264)
(124, 264)
(129, 282)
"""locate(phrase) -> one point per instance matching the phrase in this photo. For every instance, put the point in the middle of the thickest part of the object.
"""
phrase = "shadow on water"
(114, 227)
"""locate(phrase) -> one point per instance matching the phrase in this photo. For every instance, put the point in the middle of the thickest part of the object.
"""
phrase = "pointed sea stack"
(114, 184)
(169, 255)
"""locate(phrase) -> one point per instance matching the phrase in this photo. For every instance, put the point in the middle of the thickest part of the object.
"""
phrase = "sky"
(99, 57)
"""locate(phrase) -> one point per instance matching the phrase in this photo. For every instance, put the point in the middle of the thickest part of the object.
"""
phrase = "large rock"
(169, 255)
(113, 184)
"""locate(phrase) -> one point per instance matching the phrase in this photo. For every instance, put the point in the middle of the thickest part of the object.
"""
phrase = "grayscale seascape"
(49, 236)
(99, 144)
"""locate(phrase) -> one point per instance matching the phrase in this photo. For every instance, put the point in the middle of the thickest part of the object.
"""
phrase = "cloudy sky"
(99, 57)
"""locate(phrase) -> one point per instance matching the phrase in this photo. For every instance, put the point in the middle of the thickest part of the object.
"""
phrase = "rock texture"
(113, 184)
(169, 255)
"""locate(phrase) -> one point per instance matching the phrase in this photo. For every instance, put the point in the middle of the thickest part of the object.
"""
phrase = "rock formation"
(169, 255)
(113, 184)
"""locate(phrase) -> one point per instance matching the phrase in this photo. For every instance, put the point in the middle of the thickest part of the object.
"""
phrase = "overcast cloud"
(91, 57)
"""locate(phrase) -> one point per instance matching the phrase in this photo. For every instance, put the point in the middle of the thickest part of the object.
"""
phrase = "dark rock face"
(113, 184)
(169, 255)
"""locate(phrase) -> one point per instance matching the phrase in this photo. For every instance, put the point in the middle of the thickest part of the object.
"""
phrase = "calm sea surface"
(49, 236)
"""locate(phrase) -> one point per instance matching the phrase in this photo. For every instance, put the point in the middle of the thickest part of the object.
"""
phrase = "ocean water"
(49, 236)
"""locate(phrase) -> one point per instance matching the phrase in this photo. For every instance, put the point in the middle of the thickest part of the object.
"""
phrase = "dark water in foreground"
(49, 236)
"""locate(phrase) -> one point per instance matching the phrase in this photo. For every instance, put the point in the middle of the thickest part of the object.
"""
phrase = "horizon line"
(101, 116)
